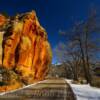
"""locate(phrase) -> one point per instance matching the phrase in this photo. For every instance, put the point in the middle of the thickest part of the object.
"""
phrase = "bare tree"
(70, 56)
(82, 46)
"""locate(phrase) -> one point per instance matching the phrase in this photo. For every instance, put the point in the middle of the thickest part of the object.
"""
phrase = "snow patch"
(85, 92)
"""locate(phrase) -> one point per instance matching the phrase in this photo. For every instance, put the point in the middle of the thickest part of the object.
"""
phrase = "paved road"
(51, 89)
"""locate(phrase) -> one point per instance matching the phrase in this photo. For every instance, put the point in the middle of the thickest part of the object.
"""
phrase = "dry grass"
(96, 81)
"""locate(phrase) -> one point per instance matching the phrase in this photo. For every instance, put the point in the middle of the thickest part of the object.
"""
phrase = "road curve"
(50, 89)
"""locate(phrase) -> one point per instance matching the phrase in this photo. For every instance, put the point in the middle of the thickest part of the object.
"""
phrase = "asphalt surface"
(50, 89)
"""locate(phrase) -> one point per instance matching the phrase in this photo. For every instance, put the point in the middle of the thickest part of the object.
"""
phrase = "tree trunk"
(75, 73)
(83, 60)
(87, 59)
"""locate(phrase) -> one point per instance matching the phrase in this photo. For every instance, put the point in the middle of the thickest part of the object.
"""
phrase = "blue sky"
(54, 15)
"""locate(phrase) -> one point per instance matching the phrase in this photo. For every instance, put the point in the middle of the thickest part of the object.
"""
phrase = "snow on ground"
(85, 92)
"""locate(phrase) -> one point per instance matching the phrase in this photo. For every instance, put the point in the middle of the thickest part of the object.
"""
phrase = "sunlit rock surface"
(1, 50)
(26, 52)
(2, 19)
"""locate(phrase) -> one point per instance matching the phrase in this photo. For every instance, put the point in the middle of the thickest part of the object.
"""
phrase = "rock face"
(26, 50)
(2, 20)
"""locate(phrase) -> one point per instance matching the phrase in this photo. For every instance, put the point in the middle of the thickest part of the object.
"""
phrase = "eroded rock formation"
(26, 50)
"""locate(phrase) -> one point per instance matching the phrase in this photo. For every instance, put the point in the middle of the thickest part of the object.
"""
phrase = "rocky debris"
(26, 50)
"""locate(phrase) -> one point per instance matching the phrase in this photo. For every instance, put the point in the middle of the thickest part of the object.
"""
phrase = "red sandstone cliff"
(26, 50)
